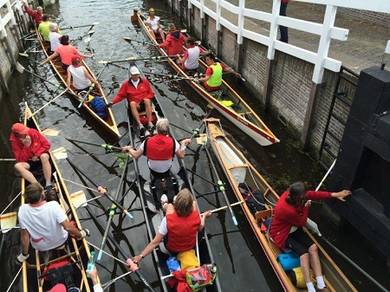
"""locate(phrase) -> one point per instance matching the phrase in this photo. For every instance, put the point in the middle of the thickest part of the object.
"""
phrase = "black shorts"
(35, 166)
(299, 242)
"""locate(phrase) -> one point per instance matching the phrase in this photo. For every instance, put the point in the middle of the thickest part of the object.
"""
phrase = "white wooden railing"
(326, 30)
(8, 14)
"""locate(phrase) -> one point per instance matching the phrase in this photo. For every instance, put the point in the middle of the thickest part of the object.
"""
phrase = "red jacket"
(128, 91)
(159, 147)
(39, 145)
(285, 216)
(34, 14)
(174, 45)
(182, 231)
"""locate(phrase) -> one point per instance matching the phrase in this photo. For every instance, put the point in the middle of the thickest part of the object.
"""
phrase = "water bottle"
(173, 264)
(91, 263)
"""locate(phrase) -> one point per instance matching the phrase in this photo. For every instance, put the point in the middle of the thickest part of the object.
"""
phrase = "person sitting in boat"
(160, 149)
(190, 60)
(66, 52)
(44, 28)
(174, 41)
(43, 223)
(290, 215)
(31, 152)
(212, 80)
(36, 14)
(139, 95)
(153, 24)
(54, 37)
(181, 225)
(80, 76)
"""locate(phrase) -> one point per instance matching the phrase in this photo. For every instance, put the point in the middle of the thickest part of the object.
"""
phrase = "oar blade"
(127, 39)
(60, 153)
(19, 67)
(8, 221)
(50, 132)
(78, 199)
(23, 54)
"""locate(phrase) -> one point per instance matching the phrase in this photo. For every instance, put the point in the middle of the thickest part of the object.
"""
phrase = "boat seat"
(262, 215)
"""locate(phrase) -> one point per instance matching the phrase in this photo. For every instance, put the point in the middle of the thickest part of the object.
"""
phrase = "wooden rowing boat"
(77, 251)
(238, 169)
(153, 214)
(109, 125)
(240, 114)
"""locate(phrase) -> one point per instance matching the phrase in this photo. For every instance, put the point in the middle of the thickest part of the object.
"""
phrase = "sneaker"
(50, 193)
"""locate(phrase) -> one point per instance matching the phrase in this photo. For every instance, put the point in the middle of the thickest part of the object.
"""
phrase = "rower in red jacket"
(290, 215)
(35, 14)
(30, 149)
(138, 92)
(174, 42)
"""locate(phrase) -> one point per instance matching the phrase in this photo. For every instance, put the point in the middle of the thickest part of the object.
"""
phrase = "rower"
(213, 79)
(160, 149)
(30, 149)
(174, 41)
(181, 223)
(43, 223)
(65, 51)
(153, 24)
(139, 95)
(44, 28)
(54, 37)
(290, 215)
(82, 79)
(190, 60)
(35, 14)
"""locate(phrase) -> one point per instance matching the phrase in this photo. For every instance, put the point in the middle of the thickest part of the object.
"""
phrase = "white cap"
(134, 71)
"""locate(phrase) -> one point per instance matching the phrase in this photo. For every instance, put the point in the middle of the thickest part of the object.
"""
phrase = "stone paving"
(365, 44)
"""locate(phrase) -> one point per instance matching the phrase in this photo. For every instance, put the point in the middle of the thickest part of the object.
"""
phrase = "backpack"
(99, 106)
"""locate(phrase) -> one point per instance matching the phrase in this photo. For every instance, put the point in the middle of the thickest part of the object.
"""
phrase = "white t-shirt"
(160, 166)
(153, 22)
(54, 38)
(135, 83)
(192, 62)
(43, 223)
(80, 81)
(163, 229)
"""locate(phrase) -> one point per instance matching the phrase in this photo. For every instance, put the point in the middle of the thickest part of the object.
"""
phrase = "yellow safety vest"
(215, 79)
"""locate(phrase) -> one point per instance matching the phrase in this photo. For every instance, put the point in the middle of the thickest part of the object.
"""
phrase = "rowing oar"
(93, 84)
(48, 103)
(104, 192)
(14, 279)
(225, 207)
(132, 59)
(20, 68)
(130, 40)
(7, 159)
(107, 147)
(80, 26)
(112, 211)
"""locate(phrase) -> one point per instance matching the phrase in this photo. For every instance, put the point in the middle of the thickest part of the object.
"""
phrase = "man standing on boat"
(42, 223)
(160, 149)
(139, 95)
(153, 23)
(30, 149)
(290, 215)
(174, 42)
(213, 79)
(181, 225)
(35, 14)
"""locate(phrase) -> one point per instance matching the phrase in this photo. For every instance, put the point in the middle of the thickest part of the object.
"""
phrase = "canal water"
(242, 265)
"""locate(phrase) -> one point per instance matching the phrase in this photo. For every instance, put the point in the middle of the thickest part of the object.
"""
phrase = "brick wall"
(228, 46)
(196, 23)
(212, 36)
(373, 17)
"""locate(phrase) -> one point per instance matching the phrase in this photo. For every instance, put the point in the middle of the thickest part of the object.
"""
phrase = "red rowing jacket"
(34, 14)
(159, 147)
(128, 91)
(285, 216)
(39, 145)
(182, 231)
(174, 42)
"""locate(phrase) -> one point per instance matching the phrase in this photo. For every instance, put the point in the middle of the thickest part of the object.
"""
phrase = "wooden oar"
(80, 26)
(48, 103)
(107, 147)
(112, 211)
(130, 40)
(7, 159)
(133, 59)
(21, 69)
(13, 281)
(114, 201)
(225, 207)
(93, 84)
(13, 200)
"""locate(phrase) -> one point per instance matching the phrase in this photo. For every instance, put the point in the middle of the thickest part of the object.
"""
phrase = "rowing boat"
(76, 252)
(109, 125)
(238, 169)
(150, 202)
(227, 101)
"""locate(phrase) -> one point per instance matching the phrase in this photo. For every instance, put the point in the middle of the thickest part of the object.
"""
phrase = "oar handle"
(225, 207)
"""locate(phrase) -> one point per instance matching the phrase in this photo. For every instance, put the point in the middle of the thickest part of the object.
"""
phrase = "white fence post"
(273, 31)
(11, 12)
(241, 20)
(218, 12)
(201, 9)
(323, 48)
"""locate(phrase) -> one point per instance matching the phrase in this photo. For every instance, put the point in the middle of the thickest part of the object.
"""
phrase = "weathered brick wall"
(196, 23)
(373, 17)
(254, 67)
(291, 83)
(228, 46)
(212, 36)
